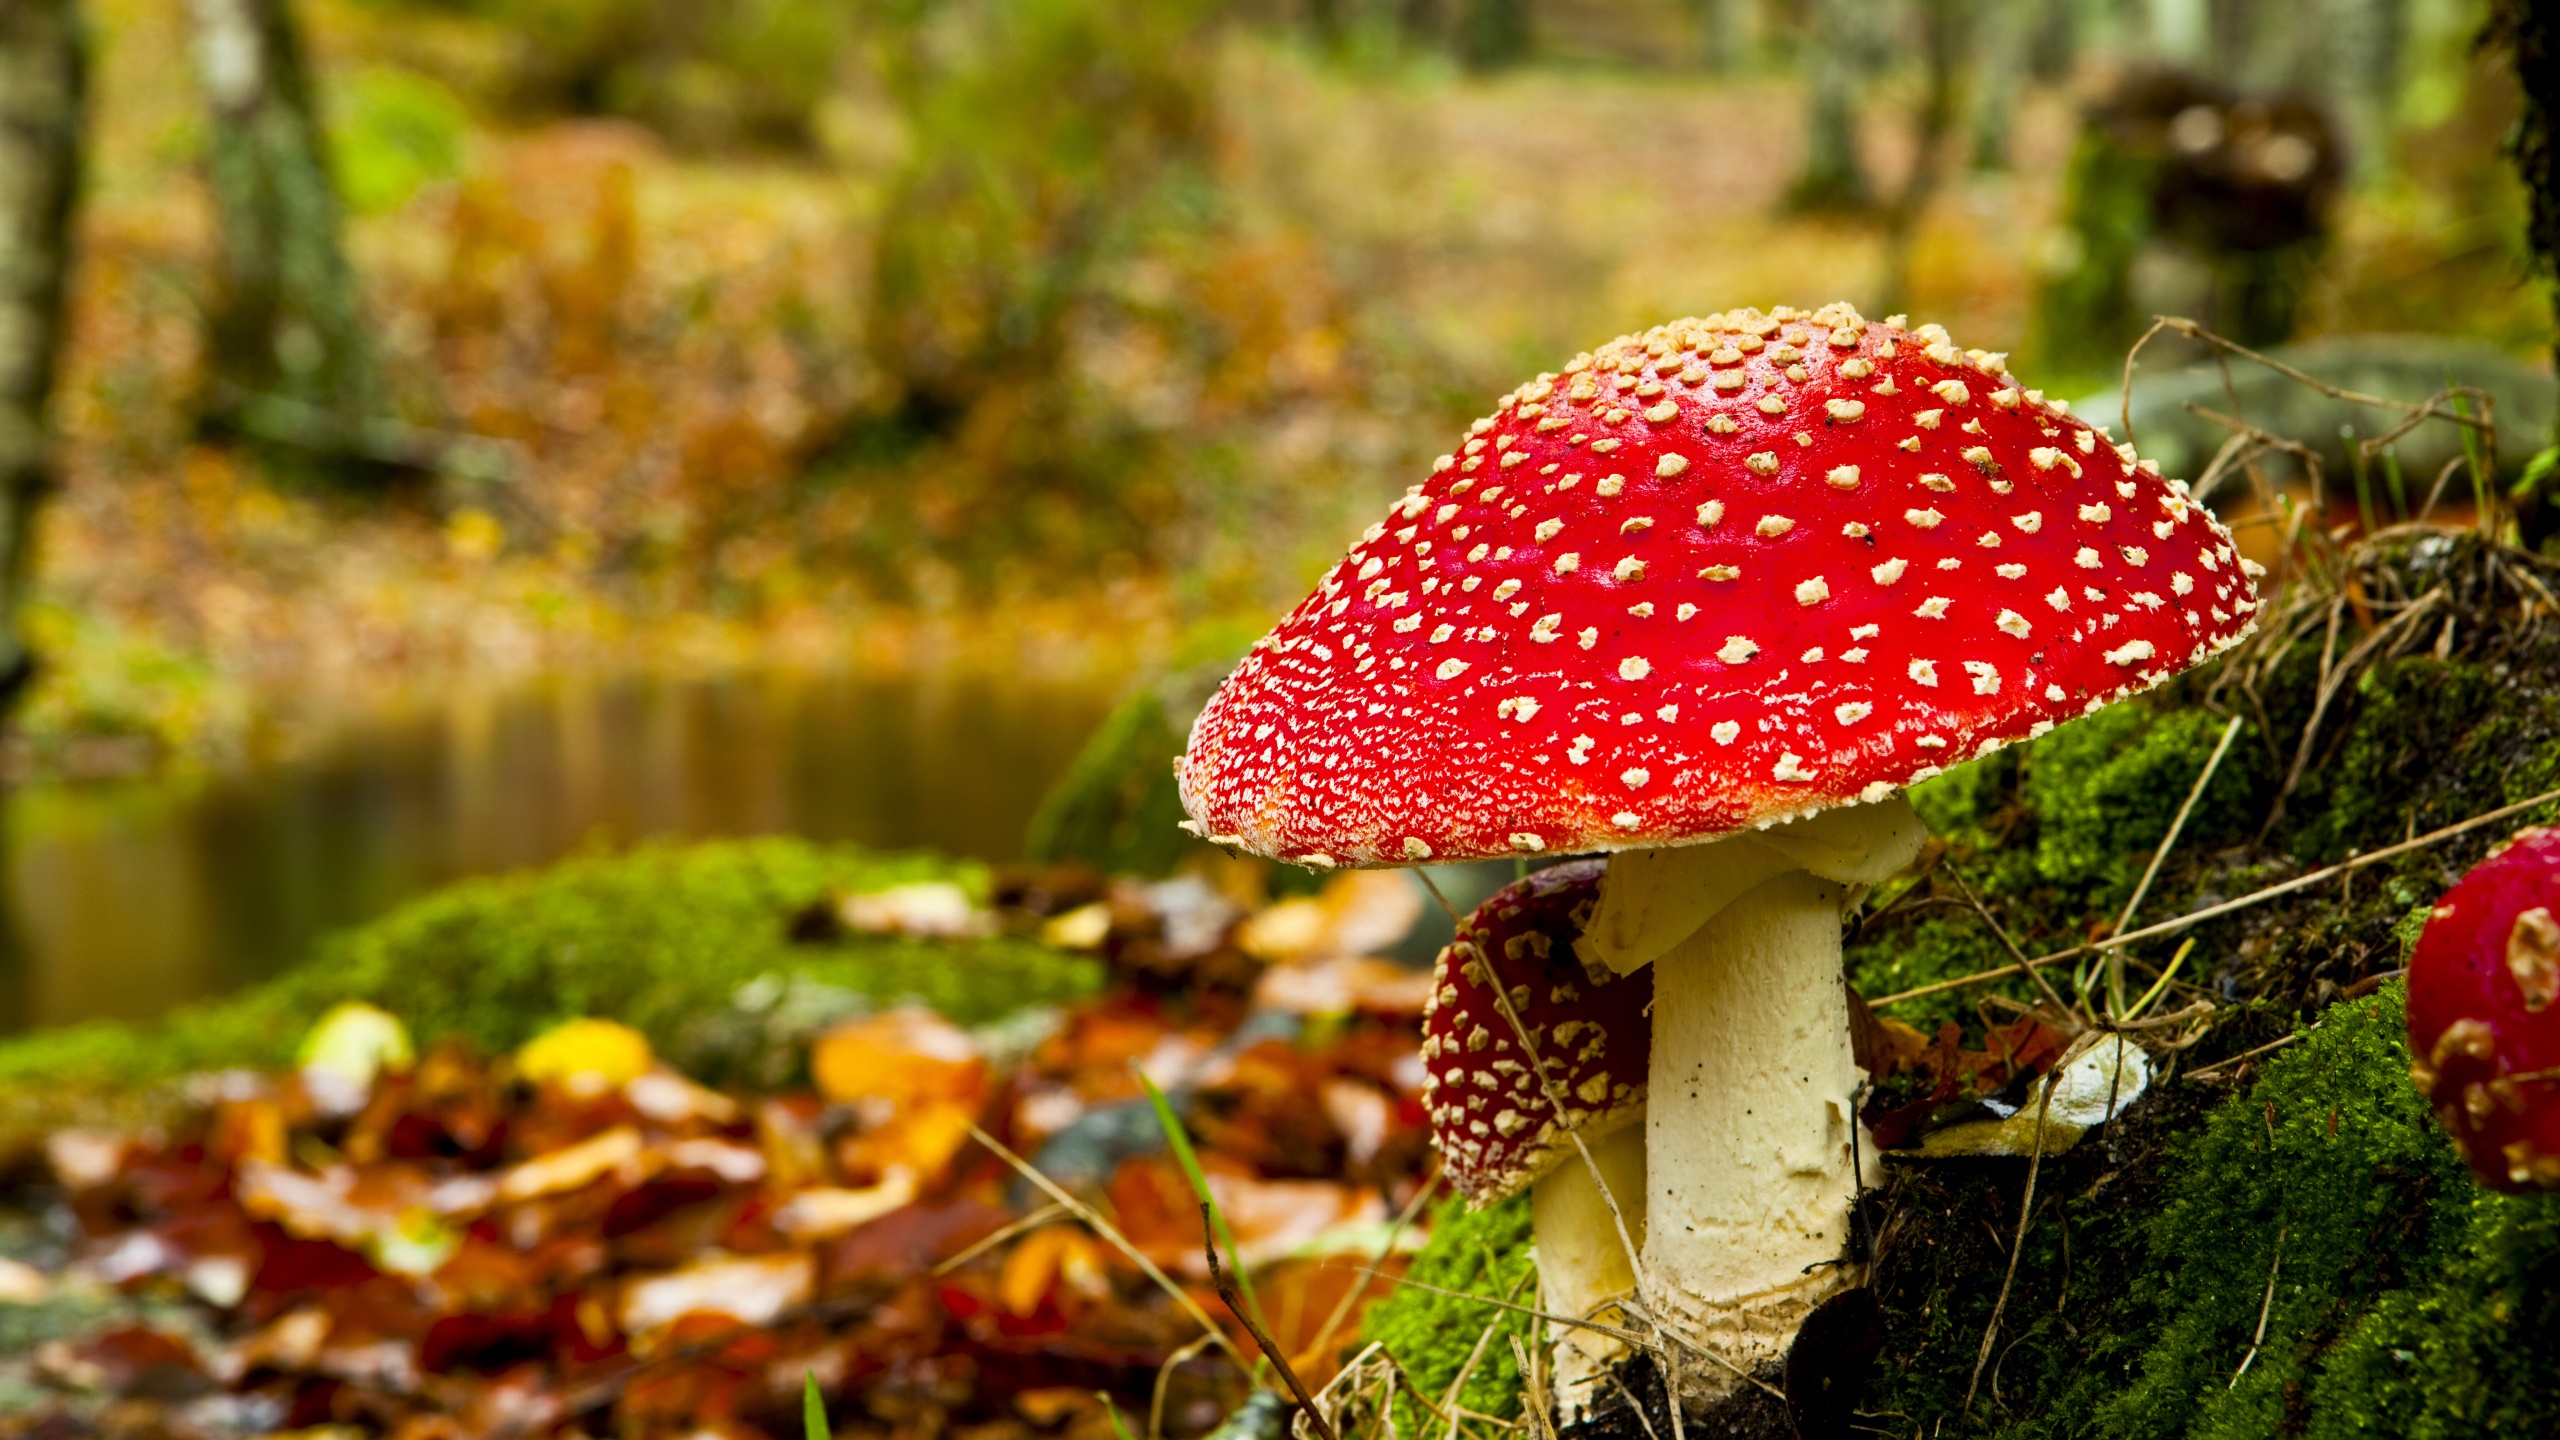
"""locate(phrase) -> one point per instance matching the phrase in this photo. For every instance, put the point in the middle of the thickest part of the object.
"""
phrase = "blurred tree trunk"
(1945, 28)
(1833, 178)
(43, 81)
(43, 87)
(293, 361)
(2006, 38)
(1493, 34)
(1719, 35)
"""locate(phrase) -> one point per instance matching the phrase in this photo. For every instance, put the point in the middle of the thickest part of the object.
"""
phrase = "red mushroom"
(1744, 576)
(2484, 1040)
(1497, 1121)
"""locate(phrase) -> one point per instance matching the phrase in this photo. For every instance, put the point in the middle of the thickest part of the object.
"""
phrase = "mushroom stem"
(1583, 1264)
(1750, 1119)
(1750, 1122)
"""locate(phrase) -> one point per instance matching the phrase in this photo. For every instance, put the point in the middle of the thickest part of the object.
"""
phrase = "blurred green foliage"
(702, 72)
(391, 132)
(661, 938)
(1028, 266)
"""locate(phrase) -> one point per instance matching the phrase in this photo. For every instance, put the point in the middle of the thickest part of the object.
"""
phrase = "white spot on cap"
(1924, 672)
(1588, 637)
(1634, 667)
(1790, 768)
(1506, 589)
(1626, 820)
(1844, 412)
(1843, 477)
(1925, 519)
(1543, 629)
(2096, 514)
(1813, 591)
(1951, 391)
(1415, 849)
(1451, 669)
(2087, 559)
(2044, 457)
(2131, 652)
(1853, 711)
(1669, 466)
(1933, 608)
(1937, 482)
(1719, 572)
(2029, 523)
(2060, 599)
(1524, 841)
(1636, 778)
(1579, 752)
(2010, 572)
(1709, 514)
(1762, 462)
(1773, 526)
(2015, 623)
(1667, 714)
(1657, 414)
(1986, 677)
(1725, 732)
(1890, 570)
(1685, 611)
(1628, 569)
(1568, 562)
(1547, 530)
(1609, 485)
(1736, 650)
(1519, 707)
(2135, 554)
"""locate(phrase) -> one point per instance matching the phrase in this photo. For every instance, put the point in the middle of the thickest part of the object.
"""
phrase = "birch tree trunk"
(292, 358)
(43, 81)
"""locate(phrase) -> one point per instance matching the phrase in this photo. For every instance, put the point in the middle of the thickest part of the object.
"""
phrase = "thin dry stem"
(2216, 912)
(1110, 1233)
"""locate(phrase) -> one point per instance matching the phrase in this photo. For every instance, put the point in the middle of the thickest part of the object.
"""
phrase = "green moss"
(661, 938)
(1475, 1252)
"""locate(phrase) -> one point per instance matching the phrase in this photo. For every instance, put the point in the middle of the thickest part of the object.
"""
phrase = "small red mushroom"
(1497, 1122)
(2484, 1037)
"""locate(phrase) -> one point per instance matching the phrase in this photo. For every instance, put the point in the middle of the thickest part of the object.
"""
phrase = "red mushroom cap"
(2484, 1036)
(1722, 574)
(1494, 1121)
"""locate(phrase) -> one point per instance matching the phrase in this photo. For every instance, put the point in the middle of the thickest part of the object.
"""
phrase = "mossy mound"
(1434, 1335)
(2405, 1301)
(663, 938)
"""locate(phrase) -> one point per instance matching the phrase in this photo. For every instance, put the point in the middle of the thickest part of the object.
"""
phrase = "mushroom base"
(1583, 1261)
(1749, 1125)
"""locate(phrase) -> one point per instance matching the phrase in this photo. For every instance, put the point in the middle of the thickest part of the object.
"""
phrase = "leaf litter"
(418, 1240)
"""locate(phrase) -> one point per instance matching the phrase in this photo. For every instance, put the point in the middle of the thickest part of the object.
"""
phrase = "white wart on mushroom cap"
(1725, 573)
(1494, 1119)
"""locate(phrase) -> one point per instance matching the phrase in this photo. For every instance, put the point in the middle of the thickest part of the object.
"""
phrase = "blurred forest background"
(808, 329)
(418, 346)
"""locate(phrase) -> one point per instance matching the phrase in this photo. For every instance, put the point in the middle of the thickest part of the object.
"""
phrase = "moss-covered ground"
(2310, 1182)
(690, 944)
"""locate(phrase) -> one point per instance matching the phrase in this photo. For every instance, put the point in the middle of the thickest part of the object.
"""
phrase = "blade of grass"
(2161, 984)
(813, 1407)
(1119, 1427)
(1189, 1160)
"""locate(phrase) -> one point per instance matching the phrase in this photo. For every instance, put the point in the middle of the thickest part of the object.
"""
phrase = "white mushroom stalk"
(1752, 1119)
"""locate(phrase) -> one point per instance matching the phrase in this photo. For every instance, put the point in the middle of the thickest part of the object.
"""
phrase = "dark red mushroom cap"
(1494, 1120)
(1722, 574)
(2484, 1036)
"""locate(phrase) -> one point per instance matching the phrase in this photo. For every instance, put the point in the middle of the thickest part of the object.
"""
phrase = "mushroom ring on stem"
(1528, 1050)
(1743, 576)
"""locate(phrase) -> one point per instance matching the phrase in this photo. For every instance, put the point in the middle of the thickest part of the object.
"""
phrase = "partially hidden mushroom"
(2484, 1036)
(1529, 1051)
(1736, 580)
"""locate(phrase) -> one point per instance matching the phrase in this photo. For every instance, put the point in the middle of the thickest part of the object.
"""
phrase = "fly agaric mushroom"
(2484, 1040)
(1745, 576)
(1497, 1121)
